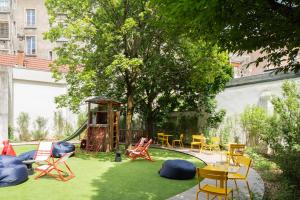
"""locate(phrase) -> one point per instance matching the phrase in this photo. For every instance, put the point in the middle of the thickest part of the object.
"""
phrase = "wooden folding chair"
(141, 152)
(139, 144)
(57, 166)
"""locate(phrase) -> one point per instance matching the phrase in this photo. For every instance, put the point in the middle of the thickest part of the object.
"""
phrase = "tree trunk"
(149, 125)
(129, 116)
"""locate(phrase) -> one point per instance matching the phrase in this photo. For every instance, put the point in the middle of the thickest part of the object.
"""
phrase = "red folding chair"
(139, 144)
(59, 169)
(141, 152)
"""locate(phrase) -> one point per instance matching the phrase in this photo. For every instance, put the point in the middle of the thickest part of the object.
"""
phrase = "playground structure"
(102, 125)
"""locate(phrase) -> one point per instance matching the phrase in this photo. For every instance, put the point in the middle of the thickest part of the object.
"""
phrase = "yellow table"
(167, 139)
(222, 167)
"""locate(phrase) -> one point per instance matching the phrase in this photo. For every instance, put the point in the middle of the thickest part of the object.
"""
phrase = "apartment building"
(22, 24)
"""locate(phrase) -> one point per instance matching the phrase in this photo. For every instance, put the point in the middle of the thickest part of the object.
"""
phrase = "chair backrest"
(147, 144)
(181, 137)
(140, 143)
(212, 174)
(64, 157)
(160, 135)
(237, 149)
(215, 140)
(198, 138)
(245, 162)
(44, 151)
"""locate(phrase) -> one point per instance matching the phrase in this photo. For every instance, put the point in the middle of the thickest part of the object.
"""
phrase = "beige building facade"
(22, 27)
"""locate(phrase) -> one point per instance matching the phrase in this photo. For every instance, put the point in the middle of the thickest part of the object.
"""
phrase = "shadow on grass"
(139, 179)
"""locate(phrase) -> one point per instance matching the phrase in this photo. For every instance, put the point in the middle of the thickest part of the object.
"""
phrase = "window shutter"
(4, 30)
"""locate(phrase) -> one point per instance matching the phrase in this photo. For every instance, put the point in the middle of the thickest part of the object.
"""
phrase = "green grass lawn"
(99, 178)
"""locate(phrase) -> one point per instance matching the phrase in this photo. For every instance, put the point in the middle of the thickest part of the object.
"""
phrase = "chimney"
(20, 58)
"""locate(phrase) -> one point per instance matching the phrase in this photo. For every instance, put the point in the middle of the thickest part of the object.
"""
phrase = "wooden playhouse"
(103, 124)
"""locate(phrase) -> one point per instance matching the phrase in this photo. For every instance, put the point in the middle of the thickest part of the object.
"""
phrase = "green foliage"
(128, 51)
(272, 27)
(11, 136)
(277, 187)
(81, 119)
(63, 127)
(283, 135)
(255, 122)
(40, 128)
(58, 122)
(23, 126)
(68, 128)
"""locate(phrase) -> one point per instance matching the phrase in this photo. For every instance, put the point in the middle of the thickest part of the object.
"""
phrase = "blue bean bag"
(60, 148)
(27, 155)
(12, 171)
(178, 169)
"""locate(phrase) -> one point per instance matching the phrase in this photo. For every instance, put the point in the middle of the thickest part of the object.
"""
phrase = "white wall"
(34, 93)
(235, 99)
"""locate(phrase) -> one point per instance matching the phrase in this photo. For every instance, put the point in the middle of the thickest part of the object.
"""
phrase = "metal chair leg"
(250, 193)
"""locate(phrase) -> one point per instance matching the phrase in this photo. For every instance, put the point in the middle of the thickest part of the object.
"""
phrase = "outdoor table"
(28, 164)
(167, 139)
(222, 167)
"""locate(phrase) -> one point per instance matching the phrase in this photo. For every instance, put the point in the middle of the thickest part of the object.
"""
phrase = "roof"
(28, 63)
(103, 100)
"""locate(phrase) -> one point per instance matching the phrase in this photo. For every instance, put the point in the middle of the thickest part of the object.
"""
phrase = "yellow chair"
(214, 144)
(243, 162)
(221, 191)
(160, 137)
(234, 151)
(180, 141)
(197, 140)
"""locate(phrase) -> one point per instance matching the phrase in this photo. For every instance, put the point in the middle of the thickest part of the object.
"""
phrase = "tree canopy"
(269, 26)
(126, 50)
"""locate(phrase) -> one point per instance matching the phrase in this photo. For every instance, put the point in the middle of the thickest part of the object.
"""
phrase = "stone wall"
(4, 102)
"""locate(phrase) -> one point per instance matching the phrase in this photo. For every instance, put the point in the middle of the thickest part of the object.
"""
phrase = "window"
(4, 30)
(50, 55)
(4, 5)
(30, 17)
(30, 45)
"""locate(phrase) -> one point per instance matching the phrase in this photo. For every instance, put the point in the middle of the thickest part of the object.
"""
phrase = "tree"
(126, 50)
(104, 50)
(270, 26)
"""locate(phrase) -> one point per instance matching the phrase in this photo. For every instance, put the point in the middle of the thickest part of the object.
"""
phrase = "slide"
(77, 132)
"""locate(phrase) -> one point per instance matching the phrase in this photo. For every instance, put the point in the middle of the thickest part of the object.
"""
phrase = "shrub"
(11, 136)
(23, 126)
(68, 129)
(40, 132)
(81, 118)
(58, 122)
(254, 121)
(284, 133)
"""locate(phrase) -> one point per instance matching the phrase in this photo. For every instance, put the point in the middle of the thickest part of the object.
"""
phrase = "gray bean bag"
(12, 171)
(60, 148)
(178, 169)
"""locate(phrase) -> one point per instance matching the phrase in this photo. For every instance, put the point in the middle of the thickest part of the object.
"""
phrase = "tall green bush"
(58, 122)
(23, 126)
(284, 132)
(254, 121)
(40, 128)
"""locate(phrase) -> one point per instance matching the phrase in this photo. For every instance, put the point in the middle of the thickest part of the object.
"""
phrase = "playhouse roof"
(103, 100)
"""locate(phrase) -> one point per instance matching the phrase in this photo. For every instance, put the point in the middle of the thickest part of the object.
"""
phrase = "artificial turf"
(98, 177)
